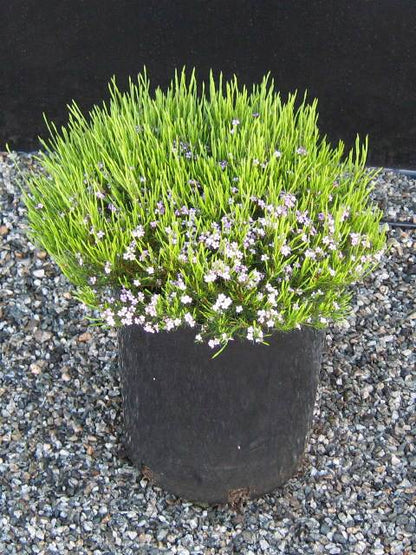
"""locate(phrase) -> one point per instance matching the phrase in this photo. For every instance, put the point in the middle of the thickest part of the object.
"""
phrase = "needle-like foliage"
(209, 206)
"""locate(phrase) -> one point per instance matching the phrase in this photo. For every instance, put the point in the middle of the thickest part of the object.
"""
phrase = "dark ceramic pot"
(218, 430)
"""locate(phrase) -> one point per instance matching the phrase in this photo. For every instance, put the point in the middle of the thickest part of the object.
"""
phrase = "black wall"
(358, 57)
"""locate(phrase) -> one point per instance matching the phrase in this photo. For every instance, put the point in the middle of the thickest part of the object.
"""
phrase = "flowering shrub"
(220, 210)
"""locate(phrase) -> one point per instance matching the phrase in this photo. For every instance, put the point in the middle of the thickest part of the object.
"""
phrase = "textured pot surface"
(216, 430)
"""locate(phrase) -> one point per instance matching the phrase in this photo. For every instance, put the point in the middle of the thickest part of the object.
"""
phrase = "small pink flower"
(138, 232)
(222, 303)
(189, 319)
(212, 343)
(285, 250)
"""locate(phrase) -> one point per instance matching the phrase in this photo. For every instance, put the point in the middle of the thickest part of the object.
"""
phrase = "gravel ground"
(66, 488)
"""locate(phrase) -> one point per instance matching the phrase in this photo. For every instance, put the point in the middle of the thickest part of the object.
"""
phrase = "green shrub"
(219, 209)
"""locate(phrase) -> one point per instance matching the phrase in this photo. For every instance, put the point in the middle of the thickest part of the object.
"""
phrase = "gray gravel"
(66, 488)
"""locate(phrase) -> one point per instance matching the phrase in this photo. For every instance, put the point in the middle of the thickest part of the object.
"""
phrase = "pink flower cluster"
(238, 260)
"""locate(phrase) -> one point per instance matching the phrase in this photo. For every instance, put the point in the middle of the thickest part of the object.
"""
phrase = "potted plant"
(219, 232)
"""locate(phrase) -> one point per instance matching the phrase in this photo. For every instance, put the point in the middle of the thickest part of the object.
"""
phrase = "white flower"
(138, 232)
(169, 324)
(255, 277)
(151, 310)
(108, 316)
(285, 250)
(221, 269)
(231, 250)
(198, 338)
(150, 270)
(242, 278)
(271, 299)
(129, 254)
(259, 336)
(250, 333)
(239, 309)
(136, 282)
(365, 242)
(289, 199)
(186, 299)
(222, 303)
(107, 268)
(180, 284)
(210, 277)
(212, 343)
(254, 334)
(189, 319)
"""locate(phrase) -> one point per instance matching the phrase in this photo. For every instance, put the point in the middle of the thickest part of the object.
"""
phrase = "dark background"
(358, 57)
